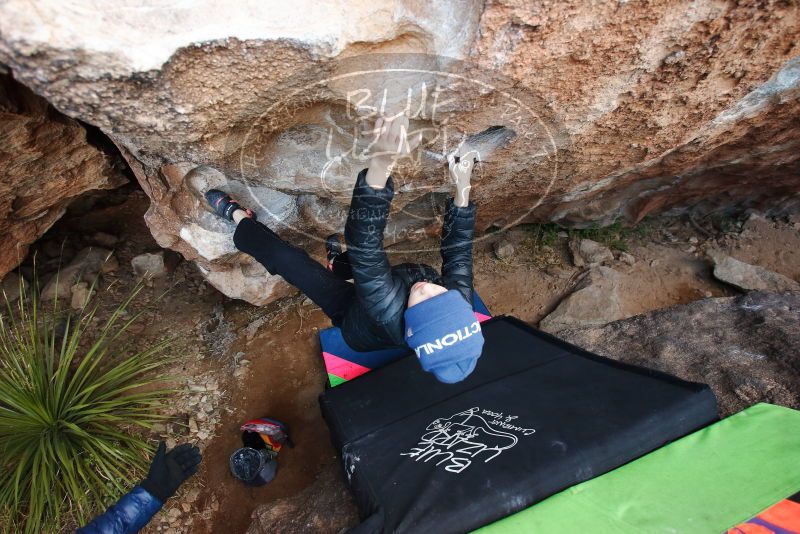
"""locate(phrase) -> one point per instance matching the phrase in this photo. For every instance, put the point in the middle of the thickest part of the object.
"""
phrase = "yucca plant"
(71, 399)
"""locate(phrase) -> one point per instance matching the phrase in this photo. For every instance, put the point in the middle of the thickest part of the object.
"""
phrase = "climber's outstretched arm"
(459, 227)
(366, 220)
(461, 166)
(389, 141)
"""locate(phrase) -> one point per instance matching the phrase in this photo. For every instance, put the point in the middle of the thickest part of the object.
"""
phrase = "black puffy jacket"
(375, 319)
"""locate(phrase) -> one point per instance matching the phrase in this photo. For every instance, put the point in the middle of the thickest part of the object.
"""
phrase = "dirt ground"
(238, 362)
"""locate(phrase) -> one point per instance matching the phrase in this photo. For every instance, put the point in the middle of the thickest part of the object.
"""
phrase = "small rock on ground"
(85, 266)
(80, 295)
(749, 277)
(149, 265)
(503, 249)
(103, 239)
(626, 258)
(586, 252)
(10, 286)
(594, 302)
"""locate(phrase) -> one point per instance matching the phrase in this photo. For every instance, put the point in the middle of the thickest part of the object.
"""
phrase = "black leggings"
(329, 289)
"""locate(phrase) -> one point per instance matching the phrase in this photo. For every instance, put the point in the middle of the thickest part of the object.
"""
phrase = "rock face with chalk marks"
(617, 109)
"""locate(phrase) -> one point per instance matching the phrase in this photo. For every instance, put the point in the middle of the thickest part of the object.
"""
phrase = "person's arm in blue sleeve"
(135, 509)
(127, 516)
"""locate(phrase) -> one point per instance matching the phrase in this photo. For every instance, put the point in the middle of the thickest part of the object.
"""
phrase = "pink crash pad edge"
(343, 368)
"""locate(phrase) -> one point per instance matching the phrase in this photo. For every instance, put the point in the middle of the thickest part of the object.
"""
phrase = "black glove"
(170, 469)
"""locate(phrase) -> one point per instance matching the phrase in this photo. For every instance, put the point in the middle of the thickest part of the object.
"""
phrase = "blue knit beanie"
(445, 335)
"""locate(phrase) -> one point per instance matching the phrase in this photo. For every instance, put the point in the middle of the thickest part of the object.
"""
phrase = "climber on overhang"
(405, 305)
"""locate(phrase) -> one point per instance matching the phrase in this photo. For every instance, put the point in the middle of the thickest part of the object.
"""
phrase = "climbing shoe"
(224, 206)
(333, 246)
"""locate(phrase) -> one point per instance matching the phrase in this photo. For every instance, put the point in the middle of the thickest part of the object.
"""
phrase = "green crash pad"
(707, 481)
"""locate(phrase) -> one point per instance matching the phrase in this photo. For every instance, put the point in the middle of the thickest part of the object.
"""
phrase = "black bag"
(538, 415)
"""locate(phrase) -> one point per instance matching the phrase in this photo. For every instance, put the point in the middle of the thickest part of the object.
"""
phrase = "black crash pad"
(536, 416)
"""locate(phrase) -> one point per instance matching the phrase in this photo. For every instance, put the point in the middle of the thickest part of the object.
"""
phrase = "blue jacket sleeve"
(132, 512)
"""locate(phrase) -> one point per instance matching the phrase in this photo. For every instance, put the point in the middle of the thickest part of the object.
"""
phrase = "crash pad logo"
(300, 146)
(475, 435)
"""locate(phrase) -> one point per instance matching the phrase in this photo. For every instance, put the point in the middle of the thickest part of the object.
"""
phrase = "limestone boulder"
(45, 162)
(609, 109)
(744, 347)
